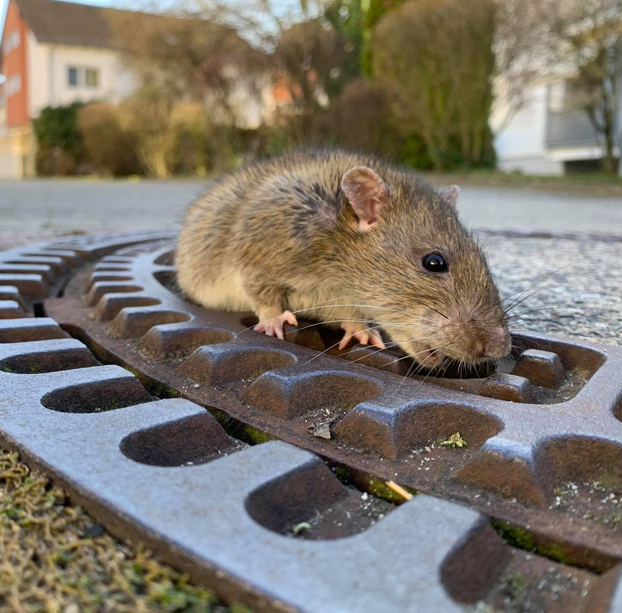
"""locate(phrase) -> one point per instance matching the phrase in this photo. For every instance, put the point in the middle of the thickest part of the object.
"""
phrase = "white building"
(55, 53)
(547, 135)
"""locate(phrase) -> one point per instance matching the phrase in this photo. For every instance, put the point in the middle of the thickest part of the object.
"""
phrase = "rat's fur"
(282, 234)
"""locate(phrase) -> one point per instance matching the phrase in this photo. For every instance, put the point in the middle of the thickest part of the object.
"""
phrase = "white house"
(53, 53)
(547, 135)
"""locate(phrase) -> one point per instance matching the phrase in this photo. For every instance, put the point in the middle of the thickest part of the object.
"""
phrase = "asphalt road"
(537, 210)
(42, 208)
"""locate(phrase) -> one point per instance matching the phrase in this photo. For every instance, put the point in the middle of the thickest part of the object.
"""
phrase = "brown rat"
(346, 239)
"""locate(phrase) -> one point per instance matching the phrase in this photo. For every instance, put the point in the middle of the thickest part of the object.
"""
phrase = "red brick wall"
(16, 63)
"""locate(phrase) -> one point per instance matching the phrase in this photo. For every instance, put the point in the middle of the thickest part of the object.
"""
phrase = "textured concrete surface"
(572, 288)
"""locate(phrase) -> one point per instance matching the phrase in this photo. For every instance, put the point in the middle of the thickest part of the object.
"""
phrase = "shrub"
(202, 146)
(441, 86)
(360, 119)
(109, 146)
(172, 137)
(146, 117)
(60, 147)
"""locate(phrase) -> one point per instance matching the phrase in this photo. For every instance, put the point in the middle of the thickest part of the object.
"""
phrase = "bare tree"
(187, 56)
(584, 44)
(519, 55)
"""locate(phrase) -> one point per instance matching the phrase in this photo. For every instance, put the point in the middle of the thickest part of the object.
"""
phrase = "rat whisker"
(421, 365)
(492, 223)
(389, 346)
(363, 306)
(492, 246)
(337, 344)
(537, 291)
(336, 321)
(441, 314)
(410, 355)
(448, 363)
(532, 310)
(500, 302)
(538, 282)
(380, 324)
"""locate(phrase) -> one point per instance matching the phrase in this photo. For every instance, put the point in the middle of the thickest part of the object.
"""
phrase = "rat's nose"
(479, 349)
(498, 344)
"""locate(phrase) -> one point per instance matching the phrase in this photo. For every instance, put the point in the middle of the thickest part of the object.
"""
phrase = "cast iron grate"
(543, 455)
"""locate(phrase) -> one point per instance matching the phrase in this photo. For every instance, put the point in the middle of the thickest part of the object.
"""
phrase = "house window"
(578, 95)
(91, 77)
(11, 42)
(13, 85)
(72, 77)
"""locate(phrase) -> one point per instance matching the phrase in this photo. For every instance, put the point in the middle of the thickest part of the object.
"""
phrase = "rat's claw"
(362, 333)
(273, 326)
(376, 339)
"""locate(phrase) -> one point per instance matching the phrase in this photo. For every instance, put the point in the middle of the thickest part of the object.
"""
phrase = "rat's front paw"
(272, 324)
(362, 332)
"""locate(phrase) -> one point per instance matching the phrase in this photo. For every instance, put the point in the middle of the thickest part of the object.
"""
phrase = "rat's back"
(257, 212)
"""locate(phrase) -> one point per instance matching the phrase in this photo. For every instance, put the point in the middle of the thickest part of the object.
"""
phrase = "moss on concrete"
(255, 436)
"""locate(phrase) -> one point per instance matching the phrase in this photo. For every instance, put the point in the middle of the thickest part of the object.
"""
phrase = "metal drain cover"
(108, 395)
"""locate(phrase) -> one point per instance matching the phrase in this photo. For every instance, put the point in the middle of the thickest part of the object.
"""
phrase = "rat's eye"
(434, 263)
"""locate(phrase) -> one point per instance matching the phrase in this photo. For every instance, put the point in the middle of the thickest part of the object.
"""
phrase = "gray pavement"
(54, 207)
(42, 208)
(560, 286)
(538, 210)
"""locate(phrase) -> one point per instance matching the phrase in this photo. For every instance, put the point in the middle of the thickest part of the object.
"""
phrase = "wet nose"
(480, 349)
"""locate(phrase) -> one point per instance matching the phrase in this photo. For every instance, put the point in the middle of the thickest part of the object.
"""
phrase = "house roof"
(68, 23)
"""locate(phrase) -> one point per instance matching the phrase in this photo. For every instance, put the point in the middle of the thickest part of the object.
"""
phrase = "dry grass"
(55, 558)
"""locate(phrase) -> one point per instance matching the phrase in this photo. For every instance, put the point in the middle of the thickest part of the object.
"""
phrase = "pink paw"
(362, 333)
(273, 326)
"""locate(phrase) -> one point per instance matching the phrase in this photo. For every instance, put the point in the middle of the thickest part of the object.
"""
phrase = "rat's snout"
(496, 344)
(471, 340)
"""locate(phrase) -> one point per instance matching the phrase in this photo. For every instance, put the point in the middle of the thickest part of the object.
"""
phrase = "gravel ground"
(578, 291)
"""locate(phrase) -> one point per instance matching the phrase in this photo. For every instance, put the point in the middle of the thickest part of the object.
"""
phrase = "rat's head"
(426, 279)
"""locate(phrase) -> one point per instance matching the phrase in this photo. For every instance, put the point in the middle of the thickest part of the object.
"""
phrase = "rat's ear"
(450, 195)
(367, 193)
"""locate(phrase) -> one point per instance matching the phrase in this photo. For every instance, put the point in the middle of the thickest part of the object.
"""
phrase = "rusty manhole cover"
(105, 374)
